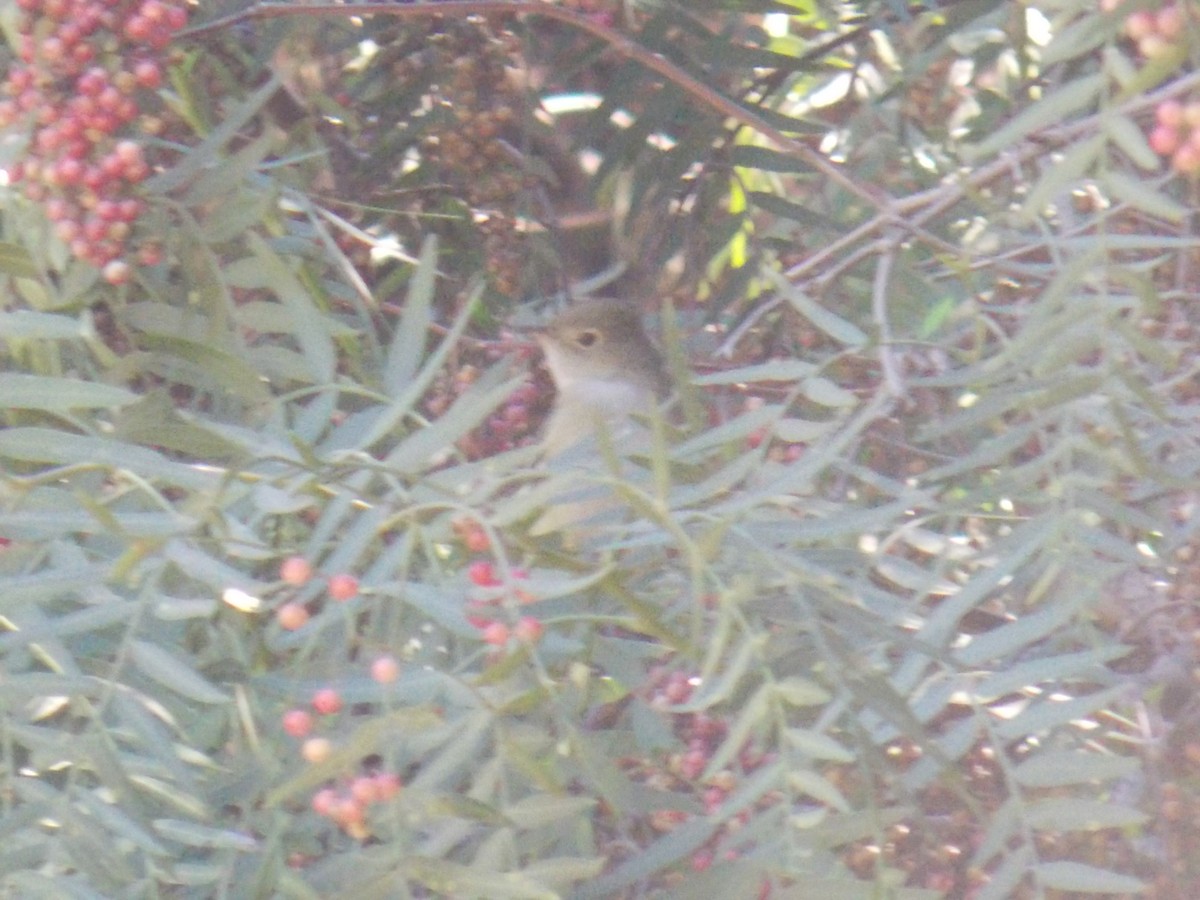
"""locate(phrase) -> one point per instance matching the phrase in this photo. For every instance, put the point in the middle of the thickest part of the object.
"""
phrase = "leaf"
(29, 391)
(412, 333)
(418, 450)
(308, 323)
(802, 431)
(1059, 768)
(1074, 814)
(209, 153)
(787, 209)
(1131, 139)
(774, 370)
(1142, 196)
(192, 834)
(1050, 713)
(171, 672)
(27, 324)
(1072, 876)
(824, 392)
(752, 157)
(1053, 109)
(48, 446)
(15, 261)
(540, 810)
(841, 330)
(1003, 880)
(818, 746)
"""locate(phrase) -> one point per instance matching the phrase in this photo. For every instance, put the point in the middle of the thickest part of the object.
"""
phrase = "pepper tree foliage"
(904, 610)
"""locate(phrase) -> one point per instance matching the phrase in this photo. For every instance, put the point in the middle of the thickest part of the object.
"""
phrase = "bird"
(605, 371)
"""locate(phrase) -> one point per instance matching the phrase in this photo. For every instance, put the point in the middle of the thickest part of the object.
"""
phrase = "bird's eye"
(587, 338)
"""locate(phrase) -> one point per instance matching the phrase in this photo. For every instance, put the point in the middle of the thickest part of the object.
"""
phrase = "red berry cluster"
(295, 571)
(84, 67)
(346, 807)
(491, 593)
(1177, 134)
(1154, 31)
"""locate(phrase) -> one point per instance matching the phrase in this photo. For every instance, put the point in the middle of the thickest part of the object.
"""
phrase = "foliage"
(907, 615)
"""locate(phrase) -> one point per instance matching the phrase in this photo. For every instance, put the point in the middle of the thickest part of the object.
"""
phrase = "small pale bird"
(605, 369)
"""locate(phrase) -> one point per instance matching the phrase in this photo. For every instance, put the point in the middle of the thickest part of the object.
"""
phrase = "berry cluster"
(347, 807)
(1154, 32)
(85, 68)
(491, 592)
(1177, 134)
(295, 571)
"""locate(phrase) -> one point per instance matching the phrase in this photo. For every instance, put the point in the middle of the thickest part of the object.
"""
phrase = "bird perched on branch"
(605, 369)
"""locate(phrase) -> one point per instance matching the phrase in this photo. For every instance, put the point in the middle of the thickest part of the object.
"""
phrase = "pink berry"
(343, 587)
(1186, 160)
(385, 669)
(387, 785)
(482, 573)
(298, 722)
(1140, 24)
(323, 801)
(295, 570)
(1170, 113)
(327, 701)
(528, 630)
(364, 790)
(1164, 140)
(1169, 22)
(291, 616)
(496, 634)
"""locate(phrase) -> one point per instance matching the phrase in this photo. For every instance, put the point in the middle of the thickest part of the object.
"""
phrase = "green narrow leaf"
(171, 672)
(1076, 814)
(1058, 768)
(209, 152)
(774, 370)
(412, 333)
(841, 330)
(540, 810)
(802, 431)
(1053, 109)
(20, 391)
(1143, 197)
(1047, 713)
(418, 450)
(1003, 880)
(47, 446)
(1073, 876)
(26, 323)
(1131, 139)
(824, 392)
(751, 715)
(192, 834)
(309, 328)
